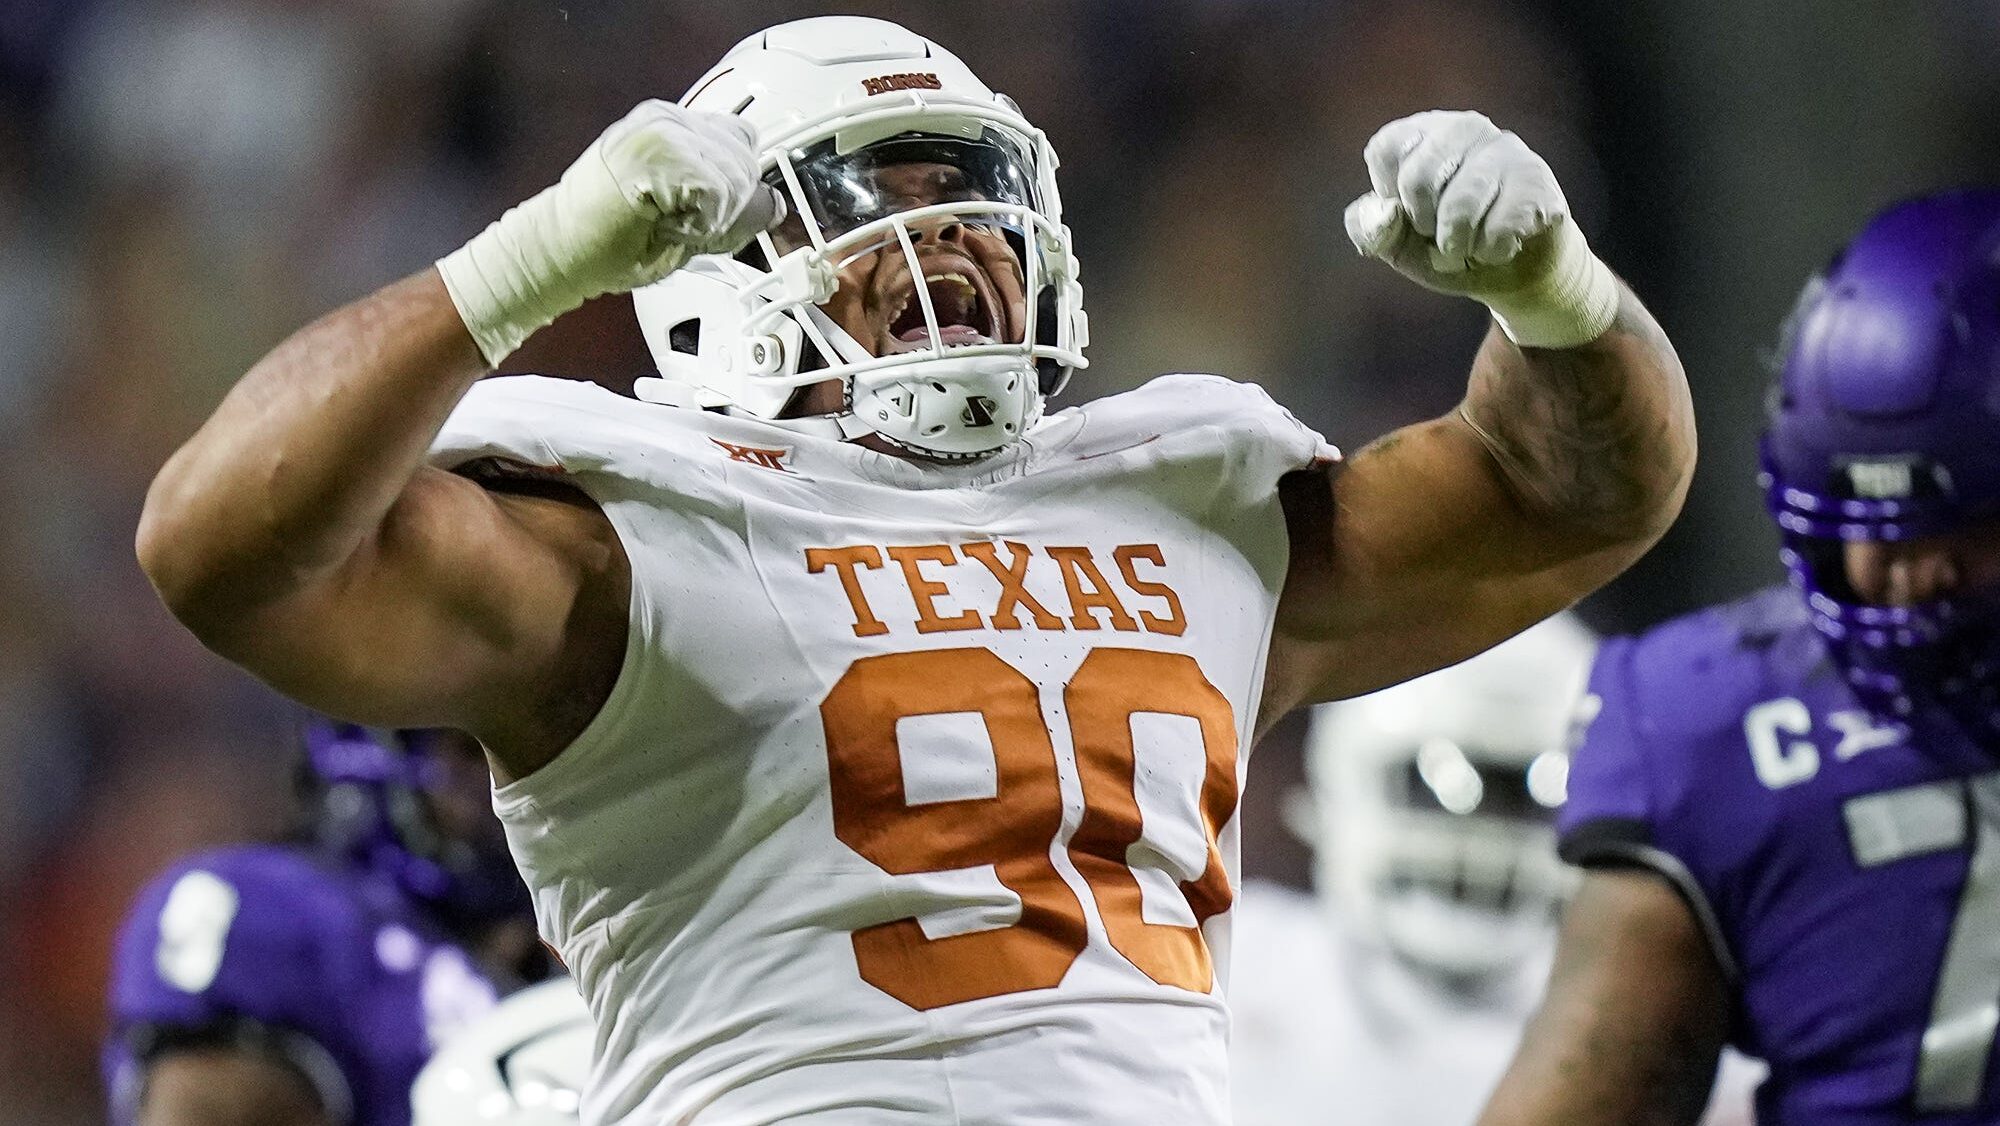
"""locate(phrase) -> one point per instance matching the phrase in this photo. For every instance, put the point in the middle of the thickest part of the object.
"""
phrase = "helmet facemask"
(1945, 650)
(1436, 802)
(1458, 874)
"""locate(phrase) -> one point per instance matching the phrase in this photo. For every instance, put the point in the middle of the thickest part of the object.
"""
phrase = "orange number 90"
(1013, 829)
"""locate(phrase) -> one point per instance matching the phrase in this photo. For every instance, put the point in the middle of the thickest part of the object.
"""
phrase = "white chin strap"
(673, 393)
(950, 407)
(981, 405)
(943, 405)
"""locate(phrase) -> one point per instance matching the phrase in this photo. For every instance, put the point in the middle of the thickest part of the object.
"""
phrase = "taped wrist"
(1572, 303)
(494, 283)
(529, 266)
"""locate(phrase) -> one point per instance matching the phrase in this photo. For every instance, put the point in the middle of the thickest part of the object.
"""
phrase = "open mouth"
(967, 312)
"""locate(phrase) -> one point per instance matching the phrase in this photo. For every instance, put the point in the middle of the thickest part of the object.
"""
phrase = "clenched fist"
(660, 186)
(1463, 207)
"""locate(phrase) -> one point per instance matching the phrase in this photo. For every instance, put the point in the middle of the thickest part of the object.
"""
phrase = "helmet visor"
(844, 191)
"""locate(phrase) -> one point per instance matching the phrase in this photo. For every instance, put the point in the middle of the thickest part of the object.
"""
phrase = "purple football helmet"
(375, 796)
(1885, 425)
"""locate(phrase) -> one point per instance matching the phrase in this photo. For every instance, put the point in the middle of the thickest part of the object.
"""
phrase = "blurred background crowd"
(182, 182)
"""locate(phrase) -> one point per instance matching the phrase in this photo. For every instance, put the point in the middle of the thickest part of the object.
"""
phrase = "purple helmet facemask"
(372, 810)
(1885, 426)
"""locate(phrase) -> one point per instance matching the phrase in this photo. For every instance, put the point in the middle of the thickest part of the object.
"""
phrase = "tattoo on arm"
(1601, 436)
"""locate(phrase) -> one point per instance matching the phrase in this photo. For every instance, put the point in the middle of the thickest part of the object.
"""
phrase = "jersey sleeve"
(1619, 812)
(1610, 794)
(1264, 439)
(233, 948)
(501, 419)
(1284, 443)
(1217, 445)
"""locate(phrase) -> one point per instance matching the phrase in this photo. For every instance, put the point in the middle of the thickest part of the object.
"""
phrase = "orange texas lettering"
(986, 584)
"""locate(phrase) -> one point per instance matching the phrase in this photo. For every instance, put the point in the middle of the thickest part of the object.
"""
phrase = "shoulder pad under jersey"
(538, 425)
(1246, 438)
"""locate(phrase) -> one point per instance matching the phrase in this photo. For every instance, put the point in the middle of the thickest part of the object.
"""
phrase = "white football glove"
(1462, 207)
(661, 185)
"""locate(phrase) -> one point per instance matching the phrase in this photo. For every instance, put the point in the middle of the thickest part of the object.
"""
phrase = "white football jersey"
(915, 800)
(1328, 1029)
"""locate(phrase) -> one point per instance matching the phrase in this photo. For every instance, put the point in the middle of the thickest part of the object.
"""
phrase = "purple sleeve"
(227, 946)
(1620, 812)
(1608, 778)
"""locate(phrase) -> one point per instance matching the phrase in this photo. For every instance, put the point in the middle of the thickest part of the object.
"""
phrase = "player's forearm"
(1598, 438)
(307, 453)
(1635, 1014)
(1589, 1067)
(1561, 1091)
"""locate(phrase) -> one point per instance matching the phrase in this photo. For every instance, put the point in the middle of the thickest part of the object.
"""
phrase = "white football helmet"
(880, 141)
(523, 1064)
(1434, 802)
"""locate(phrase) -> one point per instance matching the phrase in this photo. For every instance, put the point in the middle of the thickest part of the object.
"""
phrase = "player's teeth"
(964, 283)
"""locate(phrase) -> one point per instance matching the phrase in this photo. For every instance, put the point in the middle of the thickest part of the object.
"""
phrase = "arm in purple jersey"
(1634, 1019)
(1637, 1008)
(232, 952)
(1619, 811)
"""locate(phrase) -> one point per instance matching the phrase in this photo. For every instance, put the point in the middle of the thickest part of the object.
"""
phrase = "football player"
(1399, 991)
(870, 741)
(1790, 806)
(524, 1064)
(304, 984)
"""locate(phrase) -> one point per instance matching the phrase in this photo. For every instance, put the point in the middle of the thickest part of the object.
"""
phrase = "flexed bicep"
(1414, 555)
(500, 611)
(1567, 459)
(299, 532)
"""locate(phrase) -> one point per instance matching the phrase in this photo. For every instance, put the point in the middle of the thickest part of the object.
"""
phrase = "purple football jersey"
(270, 949)
(1845, 867)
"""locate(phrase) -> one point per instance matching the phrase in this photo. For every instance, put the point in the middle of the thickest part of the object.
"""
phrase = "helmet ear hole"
(685, 337)
(1050, 376)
